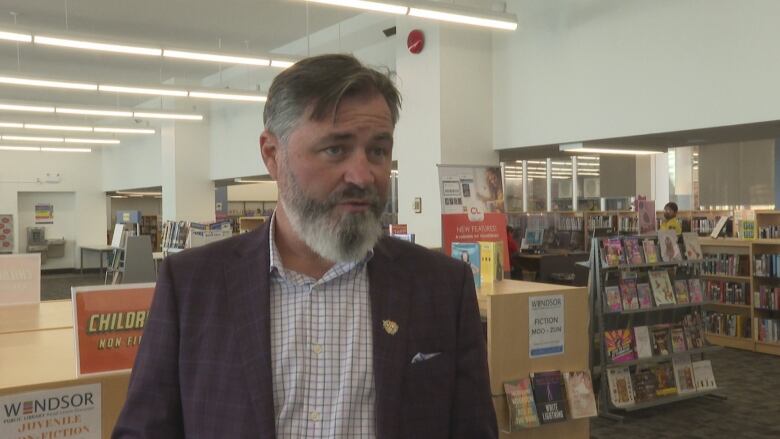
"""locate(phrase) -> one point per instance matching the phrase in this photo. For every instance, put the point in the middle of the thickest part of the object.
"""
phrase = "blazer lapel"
(390, 301)
(248, 285)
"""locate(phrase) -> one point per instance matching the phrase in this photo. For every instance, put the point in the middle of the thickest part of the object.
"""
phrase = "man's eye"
(379, 151)
(334, 150)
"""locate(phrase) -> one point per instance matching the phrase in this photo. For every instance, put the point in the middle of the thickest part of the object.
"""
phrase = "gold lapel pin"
(390, 326)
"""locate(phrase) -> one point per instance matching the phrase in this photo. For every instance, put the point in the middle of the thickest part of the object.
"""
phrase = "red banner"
(461, 227)
(109, 323)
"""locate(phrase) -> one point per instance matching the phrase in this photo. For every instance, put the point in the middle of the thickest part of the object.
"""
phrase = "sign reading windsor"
(545, 325)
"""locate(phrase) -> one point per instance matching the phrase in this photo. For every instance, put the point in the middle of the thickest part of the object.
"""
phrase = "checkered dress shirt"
(321, 349)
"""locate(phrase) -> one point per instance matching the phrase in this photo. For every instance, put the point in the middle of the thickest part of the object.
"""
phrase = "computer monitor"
(534, 237)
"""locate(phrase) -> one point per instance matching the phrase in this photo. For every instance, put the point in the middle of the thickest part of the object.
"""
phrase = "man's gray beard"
(345, 238)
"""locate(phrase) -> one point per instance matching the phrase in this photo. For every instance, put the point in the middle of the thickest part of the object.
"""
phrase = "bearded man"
(315, 326)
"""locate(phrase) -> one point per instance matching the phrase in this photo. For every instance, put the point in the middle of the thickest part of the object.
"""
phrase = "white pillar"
(188, 191)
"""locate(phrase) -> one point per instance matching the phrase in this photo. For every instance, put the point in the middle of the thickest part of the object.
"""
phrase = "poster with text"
(472, 202)
(67, 412)
(545, 326)
(646, 212)
(20, 278)
(109, 322)
(44, 214)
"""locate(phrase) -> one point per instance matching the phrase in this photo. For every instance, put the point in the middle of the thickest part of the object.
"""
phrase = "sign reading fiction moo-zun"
(67, 412)
(545, 325)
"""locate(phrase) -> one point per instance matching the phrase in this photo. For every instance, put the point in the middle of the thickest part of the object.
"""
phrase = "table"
(100, 249)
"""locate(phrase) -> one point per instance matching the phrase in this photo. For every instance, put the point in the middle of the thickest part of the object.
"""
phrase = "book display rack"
(648, 306)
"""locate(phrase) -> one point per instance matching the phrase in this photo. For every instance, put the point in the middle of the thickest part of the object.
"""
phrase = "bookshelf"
(765, 268)
(249, 223)
(674, 329)
(767, 224)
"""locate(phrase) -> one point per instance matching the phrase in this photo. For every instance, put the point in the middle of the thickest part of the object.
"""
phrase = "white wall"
(234, 140)
(135, 163)
(79, 175)
(62, 227)
(580, 70)
(253, 192)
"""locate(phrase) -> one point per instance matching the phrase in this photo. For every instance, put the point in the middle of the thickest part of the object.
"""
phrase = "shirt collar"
(275, 261)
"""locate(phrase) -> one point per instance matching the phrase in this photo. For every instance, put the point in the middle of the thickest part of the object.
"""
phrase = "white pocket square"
(423, 356)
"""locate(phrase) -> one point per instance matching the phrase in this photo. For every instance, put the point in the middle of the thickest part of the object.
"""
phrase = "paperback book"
(612, 294)
(661, 338)
(619, 345)
(695, 290)
(670, 251)
(645, 384)
(621, 391)
(663, 291)
(678, 339)
(628, 291)
(644, 347)
(692, 327)
(522, 409)
(651, 251)
(579, 393)
(664, 378)
(645, 295)
(683, 373)
(633, 251)
(692, 246)
(681, 291)
(469, 253)
(702, 373)
(492, 266)
(612, 251)
(548, 394)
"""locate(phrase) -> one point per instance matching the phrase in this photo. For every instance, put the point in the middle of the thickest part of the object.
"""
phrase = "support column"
(187, 190)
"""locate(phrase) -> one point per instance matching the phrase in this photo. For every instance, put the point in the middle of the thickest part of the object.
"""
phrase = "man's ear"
(269, 150)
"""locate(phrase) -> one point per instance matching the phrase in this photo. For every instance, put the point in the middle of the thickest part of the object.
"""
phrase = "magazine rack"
(606, 320)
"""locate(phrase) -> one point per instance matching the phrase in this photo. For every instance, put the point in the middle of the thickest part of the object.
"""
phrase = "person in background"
(510, 241)
(671, 222)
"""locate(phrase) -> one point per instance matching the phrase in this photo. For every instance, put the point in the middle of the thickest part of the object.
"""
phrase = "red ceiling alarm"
(416, 41)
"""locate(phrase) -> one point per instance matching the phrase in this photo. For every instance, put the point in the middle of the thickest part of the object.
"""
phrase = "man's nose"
(358, 171)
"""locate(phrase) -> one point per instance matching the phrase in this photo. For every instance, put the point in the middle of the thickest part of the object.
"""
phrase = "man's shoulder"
(218, 251)
(414, 255)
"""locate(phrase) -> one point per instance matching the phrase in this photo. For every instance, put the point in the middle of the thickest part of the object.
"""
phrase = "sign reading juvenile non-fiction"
(545, 326)
(66, 412)
(20, 279)
(109, 322)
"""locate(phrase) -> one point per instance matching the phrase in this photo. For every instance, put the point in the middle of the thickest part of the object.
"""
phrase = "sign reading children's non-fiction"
(545, 326)
(66, 412)
(20, 279)
(109, 323)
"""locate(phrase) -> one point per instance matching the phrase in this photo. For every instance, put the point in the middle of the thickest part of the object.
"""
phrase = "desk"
(100, 249)
(53, 314)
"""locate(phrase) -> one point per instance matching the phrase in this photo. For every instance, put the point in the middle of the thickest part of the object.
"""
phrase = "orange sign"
(468, 228)
(109, 322)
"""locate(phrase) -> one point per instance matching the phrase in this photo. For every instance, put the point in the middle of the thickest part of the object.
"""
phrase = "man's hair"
(671, 205)
(322, 82)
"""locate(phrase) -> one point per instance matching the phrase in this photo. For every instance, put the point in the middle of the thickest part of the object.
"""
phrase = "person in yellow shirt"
(670, 221)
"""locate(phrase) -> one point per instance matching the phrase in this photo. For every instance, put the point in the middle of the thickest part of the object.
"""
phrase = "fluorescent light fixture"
(65, 149)
(30, 108)
(35, 126)
(94, 141)
(145, 115)
(88, 112)
(19, 148)
(11, 125)
(46, 83)
(366, 5)
(281, 64)
(226, 59)
(577, 148)
(143, 90)
(91, 45)
(33, 139)
(227, 96)
(124, 130)
(14, 36)
(495, 23)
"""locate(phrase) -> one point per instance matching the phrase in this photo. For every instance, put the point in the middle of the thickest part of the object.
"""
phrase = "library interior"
(607, 172)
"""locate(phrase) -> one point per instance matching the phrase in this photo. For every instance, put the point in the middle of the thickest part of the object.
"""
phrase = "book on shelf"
(719, 226)
(646, 216)
(579, 394)
(661, 337)
(645, 384)
(633, 251)
(468, 252)
(613, 301)
(767, 297)
(767, 265)
(729, 324)
(695, 291)
(628, 290)
(650, 251)
(620, 345)
(692, 246)
(736, 293)
(664, 377)
(522, 408)
(692, 328)
(769, 232)
(644, 295)
(549, 397)
(670, 250)
(722, 264)
(768, 330)
(681, 291)
(678, 339)
(644, 347)
(612, 252)
(621, 389)
(663, 292)
(683, 374)
(702, 373)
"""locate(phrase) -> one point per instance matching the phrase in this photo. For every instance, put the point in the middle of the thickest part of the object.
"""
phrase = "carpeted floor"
(750, 382)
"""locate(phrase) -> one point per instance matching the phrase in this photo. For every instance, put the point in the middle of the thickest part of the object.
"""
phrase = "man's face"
(333, 176)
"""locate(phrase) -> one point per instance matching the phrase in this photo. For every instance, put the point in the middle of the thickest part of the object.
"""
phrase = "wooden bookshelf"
(249, 223)
(729, 341)
(766, 218)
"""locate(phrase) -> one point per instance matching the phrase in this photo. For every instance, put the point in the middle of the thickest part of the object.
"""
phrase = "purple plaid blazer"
(204, 365)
